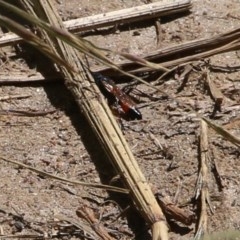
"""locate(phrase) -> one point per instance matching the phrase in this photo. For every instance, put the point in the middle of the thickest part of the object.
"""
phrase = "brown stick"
(88, 214)
(215, 92)
(158, 32)
(168, 57)
(184, 53)
(139, 13)
(172, 211)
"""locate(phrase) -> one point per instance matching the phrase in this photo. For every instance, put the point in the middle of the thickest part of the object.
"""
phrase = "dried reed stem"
(100, 118)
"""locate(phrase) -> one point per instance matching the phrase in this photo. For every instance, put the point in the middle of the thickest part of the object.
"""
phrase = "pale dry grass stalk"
(223, 132)
(128, 15)
(62, 179)
(81, 84)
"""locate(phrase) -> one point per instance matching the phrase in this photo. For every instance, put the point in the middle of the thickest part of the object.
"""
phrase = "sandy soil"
(165, 142)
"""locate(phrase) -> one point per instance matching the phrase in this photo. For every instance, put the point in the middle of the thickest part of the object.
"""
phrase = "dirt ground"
(165, 142)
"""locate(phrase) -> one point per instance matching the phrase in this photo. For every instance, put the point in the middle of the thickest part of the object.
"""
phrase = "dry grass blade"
(97, 112)
(73, 182)
(190, 51)
(79, 43)
(143, 62)
(33, 40)
(224, 133)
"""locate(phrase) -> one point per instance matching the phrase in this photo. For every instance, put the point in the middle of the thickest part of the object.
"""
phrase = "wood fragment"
(158, 32)
(87, 213)
(139, 13)
(215, 92)
(172, 211)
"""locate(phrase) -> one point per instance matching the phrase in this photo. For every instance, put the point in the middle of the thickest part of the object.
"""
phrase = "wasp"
(117, 98)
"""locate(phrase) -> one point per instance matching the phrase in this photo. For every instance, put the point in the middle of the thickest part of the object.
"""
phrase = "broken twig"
(172, 211)
(88, 214)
